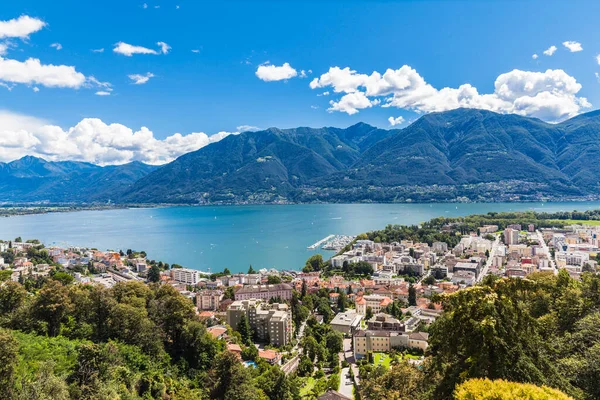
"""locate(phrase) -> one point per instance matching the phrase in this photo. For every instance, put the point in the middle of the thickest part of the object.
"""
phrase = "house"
(235, 349)
(374, 301)
(265, 292)
(332, 395)
(209, 299)
(218, 332)
(418, 340)
(271, 356)
(346, 322)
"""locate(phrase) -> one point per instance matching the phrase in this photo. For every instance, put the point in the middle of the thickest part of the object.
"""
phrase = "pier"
(320, 242)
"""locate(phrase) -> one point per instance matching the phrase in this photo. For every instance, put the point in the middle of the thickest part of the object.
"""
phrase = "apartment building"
(270, 322)
(264, 292)
(374, 301)
(366, 341)
(209, 300)
(186, 275)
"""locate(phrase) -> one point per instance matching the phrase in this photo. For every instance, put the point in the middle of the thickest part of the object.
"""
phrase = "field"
(307, 387)
(581, 222)
(382, 359)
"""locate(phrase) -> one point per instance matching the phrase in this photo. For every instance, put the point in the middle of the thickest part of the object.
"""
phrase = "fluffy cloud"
(139, 79)
(32, 71)
(102, 93)
(550, 50)
(535, 56)
(98, 50)
(129, 49)
(20, 27)
(57, 46)
(549, 95)
(94, 141)
(598, 59)
(396, 121)
(573, 46)
(270, 73)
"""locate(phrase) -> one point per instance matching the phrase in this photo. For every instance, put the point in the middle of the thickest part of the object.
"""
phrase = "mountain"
(463, 153)
(267, 165)
(32, 179)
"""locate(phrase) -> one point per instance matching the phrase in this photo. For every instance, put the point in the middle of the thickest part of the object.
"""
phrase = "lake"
(212, 238)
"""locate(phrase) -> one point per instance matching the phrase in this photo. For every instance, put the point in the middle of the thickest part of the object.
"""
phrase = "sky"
(112, 82)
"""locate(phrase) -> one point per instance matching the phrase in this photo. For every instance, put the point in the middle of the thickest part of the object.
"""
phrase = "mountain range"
(454, 155)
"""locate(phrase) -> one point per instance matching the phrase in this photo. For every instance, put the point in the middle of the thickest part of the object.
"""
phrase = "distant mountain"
(463, 153)
(32, 179)
(259, 166)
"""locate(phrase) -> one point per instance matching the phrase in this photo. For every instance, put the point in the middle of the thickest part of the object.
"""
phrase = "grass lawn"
(412, 357)
(580, 222)
(381, 359)
(308, 385)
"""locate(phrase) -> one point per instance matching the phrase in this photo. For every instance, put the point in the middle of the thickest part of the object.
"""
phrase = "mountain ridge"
(456, 155)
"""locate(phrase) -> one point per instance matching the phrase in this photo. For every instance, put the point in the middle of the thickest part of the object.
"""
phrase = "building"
(385, 322)
(264, 292)
(186, 275)
(346, 323)
(332, 395)
(373, 301)
(464, 277)
(208, 300)
(488, 229)
(439, 247)
(365, 341)
(511, 236)
(270, 322)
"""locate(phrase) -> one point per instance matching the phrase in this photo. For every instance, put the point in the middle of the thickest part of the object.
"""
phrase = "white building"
(186, 275)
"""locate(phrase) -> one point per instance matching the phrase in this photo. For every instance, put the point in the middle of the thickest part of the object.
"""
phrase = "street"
(490, 259)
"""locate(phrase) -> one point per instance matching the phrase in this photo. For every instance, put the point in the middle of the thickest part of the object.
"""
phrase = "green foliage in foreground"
(133, 341)
(485, 389)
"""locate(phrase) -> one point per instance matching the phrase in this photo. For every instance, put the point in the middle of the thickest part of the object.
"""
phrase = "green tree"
(305, 367)
(412, 295)
(314, 263)
(12, 296)
(369, 313)
(52, 306)
(9, 349)
(63, 277)
(334, 342)
(229, 380)
(341, 301)
(154, 273)
(251, 270)
(243, 327)
(273, 279)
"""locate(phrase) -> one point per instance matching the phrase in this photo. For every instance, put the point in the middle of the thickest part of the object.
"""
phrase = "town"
(371, 305)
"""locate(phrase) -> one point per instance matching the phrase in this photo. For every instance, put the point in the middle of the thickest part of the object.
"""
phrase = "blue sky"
(216, 89)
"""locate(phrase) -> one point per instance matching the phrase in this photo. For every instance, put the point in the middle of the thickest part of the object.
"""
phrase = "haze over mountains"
(458, 154)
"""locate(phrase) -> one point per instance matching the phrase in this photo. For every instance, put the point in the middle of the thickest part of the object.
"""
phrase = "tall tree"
(8, 361)
(245, 330)
(412, 295)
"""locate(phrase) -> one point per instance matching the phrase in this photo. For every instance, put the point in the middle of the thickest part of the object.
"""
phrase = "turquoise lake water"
(213, 238)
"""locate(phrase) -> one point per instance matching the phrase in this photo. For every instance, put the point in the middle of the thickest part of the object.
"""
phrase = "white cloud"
(20, 27)
(535, 56)
(573, 46)
(195, 51)
(3, 48)
(597, 76)
(325, 93)
(598, 59)
(128, 49)
(549, 95)
(139, 79)
(144, 6)
(304, 74)
(98, 50)
(102, 93)
(247, 128)
(57, 46)
(270, 73)
(36, 89)
(314, 107)
(396, 121)
(550, 50)
(94, 141)
(351, 103)
(32, 71)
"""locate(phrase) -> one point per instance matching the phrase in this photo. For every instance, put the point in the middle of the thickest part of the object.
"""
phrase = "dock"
(320, 242)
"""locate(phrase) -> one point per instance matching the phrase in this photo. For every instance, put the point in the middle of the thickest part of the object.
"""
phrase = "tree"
(485, 332)
(63, 277)
(369, 313)
(226, 271)
(251, 270)
(243, 327)
(12, 296)
(429, 280)
(412, 295)
(9, 349)
(341, 301)
(229, 293)
(154, 274)
(334, 342)
(314, 263)
(52, 306)
(403, 381)
(229, 380)
(273, 279)
(305, 367)
(303, 290)
(485, 389)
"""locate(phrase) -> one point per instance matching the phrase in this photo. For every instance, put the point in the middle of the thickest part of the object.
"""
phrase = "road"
(346, 384)
(488, 262)
(545, 247)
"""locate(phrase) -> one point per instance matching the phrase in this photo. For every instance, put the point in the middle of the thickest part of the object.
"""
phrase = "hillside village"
(372, 303)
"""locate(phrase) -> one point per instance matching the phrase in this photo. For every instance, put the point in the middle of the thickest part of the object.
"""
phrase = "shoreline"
(22, 209)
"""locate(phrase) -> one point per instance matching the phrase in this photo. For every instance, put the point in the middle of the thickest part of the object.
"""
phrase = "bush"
(484, 389)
